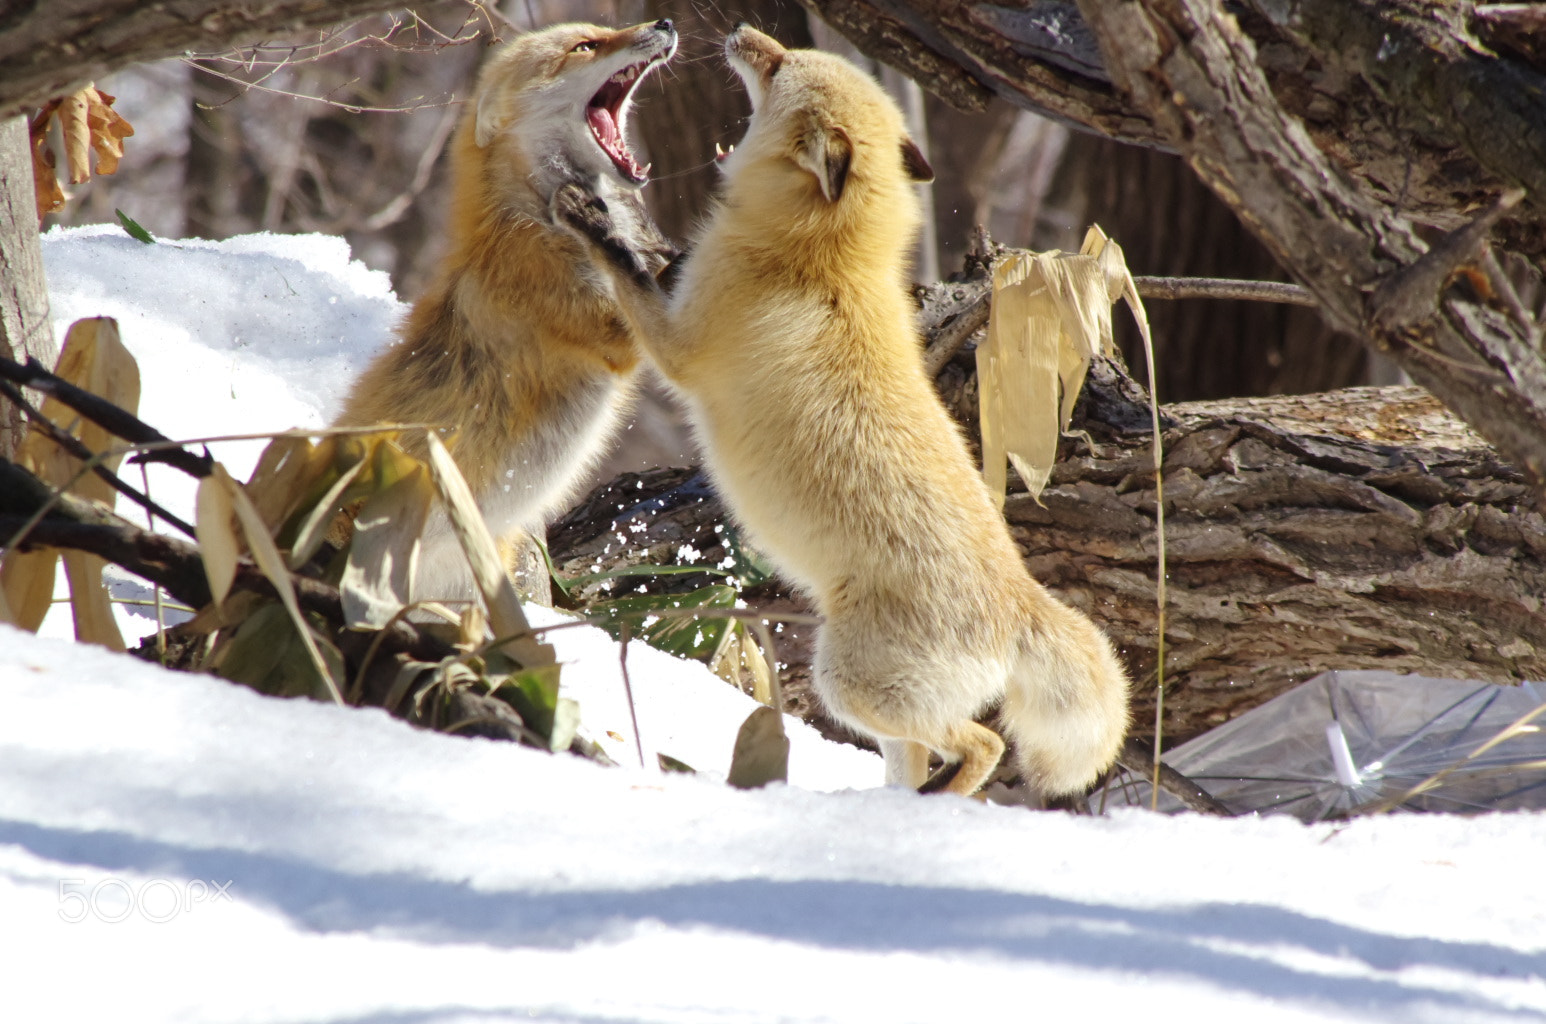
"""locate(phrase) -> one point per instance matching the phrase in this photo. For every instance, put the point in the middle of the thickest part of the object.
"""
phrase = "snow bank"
(176, 848)
(258, 333)
(373, 872)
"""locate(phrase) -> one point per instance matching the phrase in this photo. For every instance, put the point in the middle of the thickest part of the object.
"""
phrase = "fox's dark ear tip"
(914, 162)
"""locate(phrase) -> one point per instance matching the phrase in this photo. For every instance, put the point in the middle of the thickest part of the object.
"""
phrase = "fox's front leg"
(585, 215)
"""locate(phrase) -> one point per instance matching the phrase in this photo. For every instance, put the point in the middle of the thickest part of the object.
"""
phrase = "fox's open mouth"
(606, 112)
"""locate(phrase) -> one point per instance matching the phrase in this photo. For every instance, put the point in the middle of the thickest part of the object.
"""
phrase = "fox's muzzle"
(757, 50)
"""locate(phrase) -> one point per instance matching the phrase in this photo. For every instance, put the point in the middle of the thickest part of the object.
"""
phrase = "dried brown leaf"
(89, 601)
(108, 130)
(1051, 314)
(281, 478)
(77, 135)
(215, 528)
(47, 192)
(272, 563)
(314, 527)
(761, 751)
(94, 359)
(27, 578)
(384, 554)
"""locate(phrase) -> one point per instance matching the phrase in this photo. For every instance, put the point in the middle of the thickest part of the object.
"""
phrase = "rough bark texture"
(51, 47)
(25, 329)
(1364, 528)
(1445, 313)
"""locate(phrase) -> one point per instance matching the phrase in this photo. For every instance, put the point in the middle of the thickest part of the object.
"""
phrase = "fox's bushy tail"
(1065, 706)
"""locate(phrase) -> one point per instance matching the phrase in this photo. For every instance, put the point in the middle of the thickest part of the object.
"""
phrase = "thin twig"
(1137, 758)
(633, 711)
(105, 415)
(393, 211)
(945, 340)
(352, 108)
(1223, 288)
(73, 445)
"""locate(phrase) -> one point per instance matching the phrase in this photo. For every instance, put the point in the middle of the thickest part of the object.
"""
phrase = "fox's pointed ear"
(492, 117)
(826, 153)
(913, 162)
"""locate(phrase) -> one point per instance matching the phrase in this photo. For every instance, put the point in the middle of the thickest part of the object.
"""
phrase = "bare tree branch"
(53, 47)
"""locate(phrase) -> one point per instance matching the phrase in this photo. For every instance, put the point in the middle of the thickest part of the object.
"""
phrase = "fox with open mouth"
(517, 349)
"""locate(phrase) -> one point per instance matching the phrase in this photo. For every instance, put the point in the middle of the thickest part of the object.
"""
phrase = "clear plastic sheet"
(1347, 740)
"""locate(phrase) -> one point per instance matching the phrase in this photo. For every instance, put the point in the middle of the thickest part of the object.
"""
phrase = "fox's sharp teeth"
(645, 170)
(718, 150)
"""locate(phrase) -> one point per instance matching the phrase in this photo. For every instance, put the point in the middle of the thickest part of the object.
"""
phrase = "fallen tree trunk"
(1365, 528)
(1432, 105)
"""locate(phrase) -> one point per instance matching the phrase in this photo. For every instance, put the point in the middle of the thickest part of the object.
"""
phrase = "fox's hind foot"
(972, 753)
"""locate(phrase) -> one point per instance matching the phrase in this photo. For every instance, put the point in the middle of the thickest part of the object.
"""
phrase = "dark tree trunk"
(1436, 104)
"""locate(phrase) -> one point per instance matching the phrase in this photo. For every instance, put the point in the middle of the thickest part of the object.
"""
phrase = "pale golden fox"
(518, 347)
(791, 337)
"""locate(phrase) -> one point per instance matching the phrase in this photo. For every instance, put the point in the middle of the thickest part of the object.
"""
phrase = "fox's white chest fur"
(537, 477)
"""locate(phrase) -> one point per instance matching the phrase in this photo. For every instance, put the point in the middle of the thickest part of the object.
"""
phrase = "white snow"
(177, 848)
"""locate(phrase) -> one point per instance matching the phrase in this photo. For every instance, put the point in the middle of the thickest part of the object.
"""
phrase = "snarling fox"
(791, 336)
(518, 349)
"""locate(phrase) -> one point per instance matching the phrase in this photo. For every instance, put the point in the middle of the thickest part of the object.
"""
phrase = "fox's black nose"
(664, 25)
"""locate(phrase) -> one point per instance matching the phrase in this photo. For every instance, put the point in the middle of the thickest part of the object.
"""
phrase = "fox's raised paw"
(585, 214)
(582, 211)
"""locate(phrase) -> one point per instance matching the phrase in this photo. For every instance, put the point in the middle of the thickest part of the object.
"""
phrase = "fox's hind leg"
(971, 754)
(907, 763)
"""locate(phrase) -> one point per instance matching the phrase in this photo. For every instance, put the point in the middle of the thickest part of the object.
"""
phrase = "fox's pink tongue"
(604, 127)
(600, 119)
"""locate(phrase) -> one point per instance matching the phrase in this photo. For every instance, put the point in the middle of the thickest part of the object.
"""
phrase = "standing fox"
(518, 347)
(791, 337)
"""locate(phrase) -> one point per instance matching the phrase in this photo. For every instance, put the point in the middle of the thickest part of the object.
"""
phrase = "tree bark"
(25, 329)
(1468, 339)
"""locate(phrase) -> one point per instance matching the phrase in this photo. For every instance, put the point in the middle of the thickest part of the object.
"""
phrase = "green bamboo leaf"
(132, 226)
(685, 636)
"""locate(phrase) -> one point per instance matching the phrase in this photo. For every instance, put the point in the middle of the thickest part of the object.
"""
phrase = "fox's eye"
(585, 47)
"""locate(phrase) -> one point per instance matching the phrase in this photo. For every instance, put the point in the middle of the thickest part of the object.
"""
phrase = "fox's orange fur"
(518, 347)
(791, 336)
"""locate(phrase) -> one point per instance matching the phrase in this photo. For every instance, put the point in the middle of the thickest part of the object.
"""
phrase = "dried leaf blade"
(499, 597)
(383, 557)
(761, 751)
